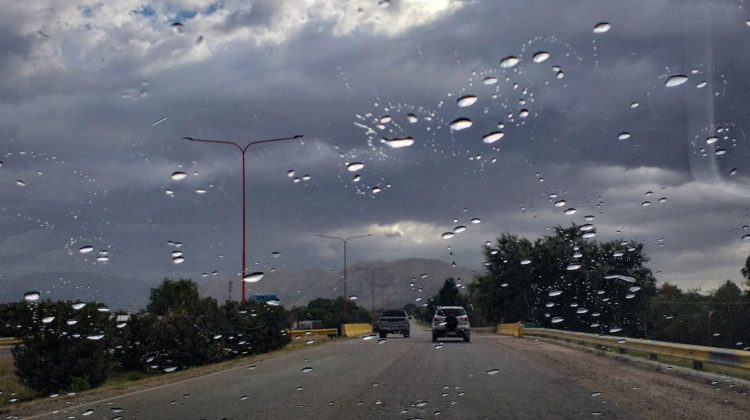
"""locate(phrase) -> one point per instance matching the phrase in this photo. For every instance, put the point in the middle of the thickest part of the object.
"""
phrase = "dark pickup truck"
(393, 322)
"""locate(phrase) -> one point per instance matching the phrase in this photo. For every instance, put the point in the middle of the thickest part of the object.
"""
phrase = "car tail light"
(437, 318)
(463, 318)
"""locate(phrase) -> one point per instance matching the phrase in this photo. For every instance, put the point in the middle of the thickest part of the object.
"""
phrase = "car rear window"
(451, 311)
(394, 313)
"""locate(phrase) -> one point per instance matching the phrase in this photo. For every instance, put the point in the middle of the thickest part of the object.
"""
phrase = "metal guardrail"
(516, 329)
(9, 341)
(698, 355)
(331, 332)
(356, 330)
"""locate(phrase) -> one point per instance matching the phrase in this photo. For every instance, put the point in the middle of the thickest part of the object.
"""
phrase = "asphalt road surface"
(492, 377)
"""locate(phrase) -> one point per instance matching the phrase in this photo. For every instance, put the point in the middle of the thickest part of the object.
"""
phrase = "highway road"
(492, 377)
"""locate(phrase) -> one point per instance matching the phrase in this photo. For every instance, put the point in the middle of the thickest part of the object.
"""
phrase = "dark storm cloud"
(102, 117)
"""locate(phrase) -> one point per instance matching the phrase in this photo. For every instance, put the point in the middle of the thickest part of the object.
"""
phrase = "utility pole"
(242, 150)
(372, 286)
(344, 241)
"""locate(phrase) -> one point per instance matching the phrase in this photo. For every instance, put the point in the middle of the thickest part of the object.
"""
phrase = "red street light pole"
(242, 150)
(345, 240)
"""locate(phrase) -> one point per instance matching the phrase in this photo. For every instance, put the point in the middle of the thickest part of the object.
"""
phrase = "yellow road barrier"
(320, 331)
(516, 329)
(696, 354)
(356, 330)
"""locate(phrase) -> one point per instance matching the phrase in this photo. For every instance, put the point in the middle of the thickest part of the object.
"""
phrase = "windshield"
(207, 206)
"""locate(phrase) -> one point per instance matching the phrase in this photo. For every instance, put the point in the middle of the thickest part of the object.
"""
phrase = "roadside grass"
(10, 387)
(120, 382)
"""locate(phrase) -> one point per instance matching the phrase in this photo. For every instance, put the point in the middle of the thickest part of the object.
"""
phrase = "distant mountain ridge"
(394, 286)
(393, 283)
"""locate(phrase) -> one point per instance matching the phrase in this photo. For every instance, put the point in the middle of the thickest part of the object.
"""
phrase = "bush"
(62, 355)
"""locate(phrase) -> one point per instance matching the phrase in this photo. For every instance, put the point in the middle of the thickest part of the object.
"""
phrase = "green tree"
(173, 294)
(566, 281)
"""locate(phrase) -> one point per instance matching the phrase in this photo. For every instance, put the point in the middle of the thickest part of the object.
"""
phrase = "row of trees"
(331, 312)
(568, 281)
(75, 346)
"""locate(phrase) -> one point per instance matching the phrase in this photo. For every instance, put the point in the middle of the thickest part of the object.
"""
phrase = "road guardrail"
(515, 329)
(698, 355)
(9, 341)
(356, 330)
(331, 332)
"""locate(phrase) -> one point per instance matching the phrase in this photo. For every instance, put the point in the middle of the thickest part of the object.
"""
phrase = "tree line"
(73, 346)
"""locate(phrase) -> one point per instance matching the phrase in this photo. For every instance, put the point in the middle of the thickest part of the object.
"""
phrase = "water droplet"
(376, 190)
(459, 229)
(32, 297)
(557, 320)
(602, 27)
(588, 235)
(398, 142)
(273, 302)
(357, 178)
(290, 173)
(615, 330)
(490, 80)
(178, 260)
(20, 183)
(596, 394)
(676, 80)
(623, 136)
(712, 140)
(493, 371)
(475, 220)
(467, 100)
(560, 203)
(581, 310)
(353, 297)
(634, 105)
(170, 369)
(525, 262)
(634, 288)
(253, 277)
(307, 369)
(586, 228)
(447, 235)
(178, 175)
(570, 211)
(412, 118)
(509, 61)
(385, 119)
(88, 412)
(541, 56)
(78, 305)
(573, 267)
(48, 319)
(355, 166)
(85, 249)
(523, 113)
(492, 137)
(460, 124)
(95, 337)
(645, 204)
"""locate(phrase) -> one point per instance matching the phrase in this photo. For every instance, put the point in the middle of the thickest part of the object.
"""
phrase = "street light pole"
(372, 286)
(344, 241)
(242, 150)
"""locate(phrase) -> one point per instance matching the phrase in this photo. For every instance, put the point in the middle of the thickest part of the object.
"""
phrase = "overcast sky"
(96, 96)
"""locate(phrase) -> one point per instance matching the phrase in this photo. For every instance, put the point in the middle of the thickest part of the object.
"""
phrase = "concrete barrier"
(331, 332)
(516, 329)
(698, 355)
(356, 330)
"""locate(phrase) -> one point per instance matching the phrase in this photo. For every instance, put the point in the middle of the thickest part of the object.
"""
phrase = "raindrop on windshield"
(355, 166)
(509, 61)
(489, 80)
(307, 369)
(460, 124)
(85, 249)
(412, 118)
(253, 277)
(353, 297)
(525, 262)
(492, 137)
(475, 220)
(493, 371)
(541, 56)
(467, 100)
(570, 211)
(78, 305)
(448, 235)
(554, 293)
(48, 319)
(398, 142)
(676, 80)
(178, 175)
(559, 203)
(31, 296)
(602, 27)
(623, 136)
(573, 267)
(459, 229)
(557, 320)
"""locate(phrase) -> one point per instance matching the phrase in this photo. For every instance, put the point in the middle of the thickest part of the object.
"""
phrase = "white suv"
(451, 321)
